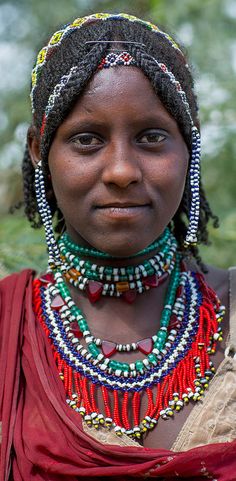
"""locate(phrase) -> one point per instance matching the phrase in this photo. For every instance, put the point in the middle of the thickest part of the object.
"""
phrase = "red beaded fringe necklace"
(168, 387)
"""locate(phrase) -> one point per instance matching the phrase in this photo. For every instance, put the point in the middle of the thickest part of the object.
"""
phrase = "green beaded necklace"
(91, 252)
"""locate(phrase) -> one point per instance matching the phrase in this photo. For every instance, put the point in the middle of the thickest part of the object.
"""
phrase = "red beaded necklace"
(180, 374)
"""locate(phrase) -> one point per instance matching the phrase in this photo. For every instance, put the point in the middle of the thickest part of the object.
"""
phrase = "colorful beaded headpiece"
(58, 36)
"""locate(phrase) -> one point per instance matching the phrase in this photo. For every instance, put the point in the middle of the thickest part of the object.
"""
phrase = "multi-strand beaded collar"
(172, 367)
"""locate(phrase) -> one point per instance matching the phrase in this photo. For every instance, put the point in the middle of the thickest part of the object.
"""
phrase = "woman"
(100, 353)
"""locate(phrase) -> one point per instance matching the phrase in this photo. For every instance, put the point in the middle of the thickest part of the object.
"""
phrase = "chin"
(123, 249)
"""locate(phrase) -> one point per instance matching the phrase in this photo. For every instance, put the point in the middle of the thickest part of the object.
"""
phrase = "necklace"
(125, 282)
(58, 298)
(177, 366)
(91, 252)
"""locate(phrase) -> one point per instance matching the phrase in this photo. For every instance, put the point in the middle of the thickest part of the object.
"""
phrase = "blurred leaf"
(20, 246)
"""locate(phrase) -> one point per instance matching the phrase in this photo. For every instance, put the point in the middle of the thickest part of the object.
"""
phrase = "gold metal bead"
(122, 286)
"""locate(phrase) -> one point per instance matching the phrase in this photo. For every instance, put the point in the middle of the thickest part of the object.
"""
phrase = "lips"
(123, 205)
(123, 211)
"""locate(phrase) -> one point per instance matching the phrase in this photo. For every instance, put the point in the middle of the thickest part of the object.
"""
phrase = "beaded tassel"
(191, 235)
(46, 216)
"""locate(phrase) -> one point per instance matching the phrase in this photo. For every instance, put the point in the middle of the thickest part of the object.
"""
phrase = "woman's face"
(118, 164)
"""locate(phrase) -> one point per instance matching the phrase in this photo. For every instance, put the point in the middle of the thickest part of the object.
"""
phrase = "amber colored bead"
(74, 273)
(122, 286)
(67, 276)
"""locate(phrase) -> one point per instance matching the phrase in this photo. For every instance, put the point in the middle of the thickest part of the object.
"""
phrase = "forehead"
(113, 89)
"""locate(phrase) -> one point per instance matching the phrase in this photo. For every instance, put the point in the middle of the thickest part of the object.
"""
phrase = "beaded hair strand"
(76, 45)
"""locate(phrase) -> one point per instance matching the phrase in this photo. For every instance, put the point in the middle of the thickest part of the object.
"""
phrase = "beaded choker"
(172, 367)
(125, 282)
(92, 252)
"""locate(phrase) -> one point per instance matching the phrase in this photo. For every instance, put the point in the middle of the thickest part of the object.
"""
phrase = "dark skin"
(118, 166)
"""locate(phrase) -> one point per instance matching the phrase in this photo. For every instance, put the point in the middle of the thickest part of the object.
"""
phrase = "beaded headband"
(58, 36)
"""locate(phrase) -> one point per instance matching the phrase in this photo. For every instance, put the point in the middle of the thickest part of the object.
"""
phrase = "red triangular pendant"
(174, 322)
(145, 345)
(151, 281)
(154, 281)
(46, 278)
(57, 302)
(74, 328)
(108, 348)
(180, 291)
(94, 290)
(162, 278)
(129, 296)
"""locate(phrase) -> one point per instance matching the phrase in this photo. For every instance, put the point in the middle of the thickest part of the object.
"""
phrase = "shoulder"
(12, 280)
(13, 288)
(218, 279)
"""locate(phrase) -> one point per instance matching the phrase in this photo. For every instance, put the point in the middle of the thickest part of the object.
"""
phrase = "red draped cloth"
(43, 438)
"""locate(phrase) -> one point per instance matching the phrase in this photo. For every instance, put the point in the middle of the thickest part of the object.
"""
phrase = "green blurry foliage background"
(207, 28)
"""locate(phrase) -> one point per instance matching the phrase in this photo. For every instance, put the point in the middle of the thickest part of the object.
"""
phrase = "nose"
(122, 166)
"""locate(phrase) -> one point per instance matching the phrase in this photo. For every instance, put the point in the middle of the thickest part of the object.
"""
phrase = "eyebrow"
(86, 124)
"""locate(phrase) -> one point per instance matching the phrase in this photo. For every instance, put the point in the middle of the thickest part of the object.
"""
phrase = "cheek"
(71, 180)
(169, 176)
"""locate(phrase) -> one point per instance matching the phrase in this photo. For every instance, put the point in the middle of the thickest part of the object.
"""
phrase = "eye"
(151, 137)
(86, 140)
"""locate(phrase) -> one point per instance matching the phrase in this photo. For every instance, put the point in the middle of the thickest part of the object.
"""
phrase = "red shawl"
(42, 437)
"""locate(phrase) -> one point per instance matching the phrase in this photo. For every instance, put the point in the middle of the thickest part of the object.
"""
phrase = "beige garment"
(109, 437)
(213, 420)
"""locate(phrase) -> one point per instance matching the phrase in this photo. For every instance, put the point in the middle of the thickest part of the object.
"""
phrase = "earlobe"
(33, 141)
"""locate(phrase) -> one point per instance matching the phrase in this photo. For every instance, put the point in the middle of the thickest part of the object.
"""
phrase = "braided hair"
(63, 71)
